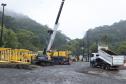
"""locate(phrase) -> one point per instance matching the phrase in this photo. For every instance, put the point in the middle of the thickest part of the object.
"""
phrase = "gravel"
(76, 73)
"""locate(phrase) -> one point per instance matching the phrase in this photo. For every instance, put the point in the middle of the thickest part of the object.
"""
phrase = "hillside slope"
(22, 32)
(114, 35)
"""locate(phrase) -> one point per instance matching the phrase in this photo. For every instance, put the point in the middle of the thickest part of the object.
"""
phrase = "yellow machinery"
(16, 55)
(5, 54)
(52, 58)
(59, 57)
(21, 55)
(26, 56)
(43, 59)
(64, 54)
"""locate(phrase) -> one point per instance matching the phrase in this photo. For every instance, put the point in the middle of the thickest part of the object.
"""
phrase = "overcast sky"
(77, 15)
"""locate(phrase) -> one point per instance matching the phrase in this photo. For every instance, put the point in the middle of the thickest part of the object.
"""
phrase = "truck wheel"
(107, 67)
(93, 65)
(90, 64)
(102, 66)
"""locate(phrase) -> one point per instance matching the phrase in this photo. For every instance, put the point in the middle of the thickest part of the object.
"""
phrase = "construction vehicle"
(43, 59)
(60, 57)
(106, 59)
(52, 58)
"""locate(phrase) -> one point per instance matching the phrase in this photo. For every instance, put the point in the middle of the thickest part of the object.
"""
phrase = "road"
(77, 73)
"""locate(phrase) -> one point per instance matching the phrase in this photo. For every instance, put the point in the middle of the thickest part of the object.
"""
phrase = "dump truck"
(106, 59)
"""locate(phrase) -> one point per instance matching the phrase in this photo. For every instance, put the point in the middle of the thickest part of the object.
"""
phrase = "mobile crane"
(42, 59)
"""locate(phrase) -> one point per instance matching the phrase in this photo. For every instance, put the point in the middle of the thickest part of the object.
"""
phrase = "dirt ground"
(76, 73)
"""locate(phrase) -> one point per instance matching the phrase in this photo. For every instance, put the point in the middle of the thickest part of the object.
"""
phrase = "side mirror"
(92, 55)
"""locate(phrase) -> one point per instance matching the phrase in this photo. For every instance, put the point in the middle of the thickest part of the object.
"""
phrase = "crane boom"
(55, 27)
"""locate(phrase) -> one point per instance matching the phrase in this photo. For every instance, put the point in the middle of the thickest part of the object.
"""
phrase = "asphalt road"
(77, 73)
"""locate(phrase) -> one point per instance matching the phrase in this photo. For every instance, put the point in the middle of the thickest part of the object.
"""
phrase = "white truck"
(106, 59)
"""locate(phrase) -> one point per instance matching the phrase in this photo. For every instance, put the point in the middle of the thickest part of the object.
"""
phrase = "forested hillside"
(114, 36)
(22, 32)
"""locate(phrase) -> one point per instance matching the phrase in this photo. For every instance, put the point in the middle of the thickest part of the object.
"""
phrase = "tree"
(121, 49)
(25, 39)
(10, 39)
(27, 33)
(75, 46)
(93, 48)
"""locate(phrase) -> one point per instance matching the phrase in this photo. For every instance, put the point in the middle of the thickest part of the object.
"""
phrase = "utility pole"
(88, 58)
(83, 48)
(2, 24)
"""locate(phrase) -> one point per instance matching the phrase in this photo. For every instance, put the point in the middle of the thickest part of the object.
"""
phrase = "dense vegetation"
(114, 36)
(22, 32)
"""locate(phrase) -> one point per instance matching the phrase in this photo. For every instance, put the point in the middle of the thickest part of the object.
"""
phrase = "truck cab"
(94, 56)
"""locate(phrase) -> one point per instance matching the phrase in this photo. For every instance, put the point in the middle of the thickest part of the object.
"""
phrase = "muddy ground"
(76, 73)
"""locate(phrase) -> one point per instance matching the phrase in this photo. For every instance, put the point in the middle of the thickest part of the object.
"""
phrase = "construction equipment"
(9, 55)
(21, 56)
(60, 57)
(43, 58)
(52, 58)
(106, 59)
(5, 54)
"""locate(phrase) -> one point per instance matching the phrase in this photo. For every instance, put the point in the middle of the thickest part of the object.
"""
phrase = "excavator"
(44, 58)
